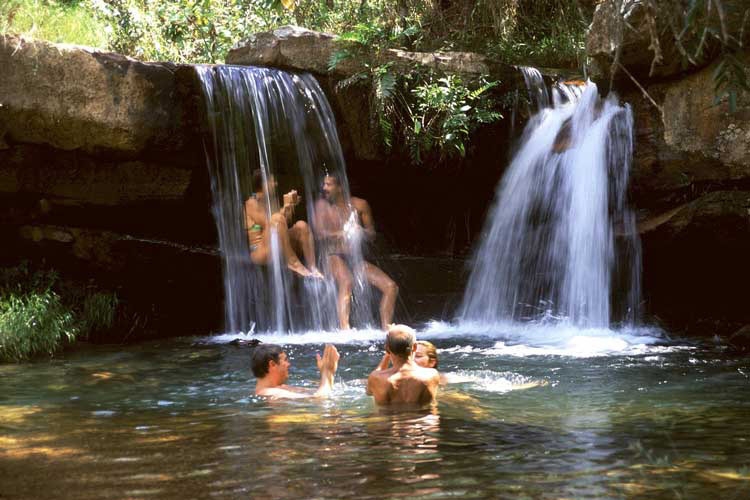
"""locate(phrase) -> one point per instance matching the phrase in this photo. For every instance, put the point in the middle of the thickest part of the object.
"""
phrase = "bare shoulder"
(281, 393)
(429, 375)
(360, 203)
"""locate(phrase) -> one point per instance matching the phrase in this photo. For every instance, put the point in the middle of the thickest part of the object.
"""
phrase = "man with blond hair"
(404, 382)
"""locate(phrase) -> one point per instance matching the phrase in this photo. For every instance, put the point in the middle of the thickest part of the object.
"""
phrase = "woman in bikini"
(297, 238)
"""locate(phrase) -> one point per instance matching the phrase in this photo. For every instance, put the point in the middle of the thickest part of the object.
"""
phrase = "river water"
(621, 414)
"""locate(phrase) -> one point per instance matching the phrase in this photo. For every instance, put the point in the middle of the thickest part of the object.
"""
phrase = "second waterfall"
(560, 242)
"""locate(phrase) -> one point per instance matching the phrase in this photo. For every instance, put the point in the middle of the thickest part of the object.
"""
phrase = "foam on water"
(511, 339)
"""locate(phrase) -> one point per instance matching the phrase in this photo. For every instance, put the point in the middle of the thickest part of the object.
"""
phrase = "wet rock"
(632, 28)
(633, 36)
(76, 97)
(741, 338)
(695, 260)
(689, 144)
(74, 177)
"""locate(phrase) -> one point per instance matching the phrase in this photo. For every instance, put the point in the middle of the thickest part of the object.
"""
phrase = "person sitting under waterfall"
(405, 382)
(291, 239)
(270, 366)
(341, 226)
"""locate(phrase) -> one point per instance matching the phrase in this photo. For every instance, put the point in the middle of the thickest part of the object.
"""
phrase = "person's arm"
(366, 219)
(385, 362)
(328, 364)
(290, 200)
(433, 384)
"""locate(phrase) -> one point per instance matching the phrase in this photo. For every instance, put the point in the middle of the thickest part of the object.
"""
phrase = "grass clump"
(34, 323)
(39, 313)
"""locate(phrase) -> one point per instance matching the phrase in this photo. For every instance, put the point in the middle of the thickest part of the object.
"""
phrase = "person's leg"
(302, 240)
(388, 288)
(292, 261)
(343, 278)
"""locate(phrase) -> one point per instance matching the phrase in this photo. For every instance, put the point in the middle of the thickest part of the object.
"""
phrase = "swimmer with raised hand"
(270, 365)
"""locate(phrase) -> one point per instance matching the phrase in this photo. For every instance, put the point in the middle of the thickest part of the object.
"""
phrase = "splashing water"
(282, 124)
(560, 241)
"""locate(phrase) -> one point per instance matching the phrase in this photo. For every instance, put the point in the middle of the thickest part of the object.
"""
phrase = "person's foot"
(297, 267)
(315, 273)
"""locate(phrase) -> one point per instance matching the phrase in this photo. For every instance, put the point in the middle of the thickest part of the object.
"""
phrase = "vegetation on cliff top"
(544, 32)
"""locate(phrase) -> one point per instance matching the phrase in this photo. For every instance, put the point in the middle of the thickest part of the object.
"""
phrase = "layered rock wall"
(102, 176)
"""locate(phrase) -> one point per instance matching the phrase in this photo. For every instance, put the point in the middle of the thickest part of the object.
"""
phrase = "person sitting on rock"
(291, 240)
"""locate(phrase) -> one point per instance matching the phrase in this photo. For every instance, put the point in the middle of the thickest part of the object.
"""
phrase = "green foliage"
(33, 319)
(98, 312)
(196, 31)
(56, 21)
(431, 115)
(446, 113)
(39, 313)
(33, 323)
(730, 79)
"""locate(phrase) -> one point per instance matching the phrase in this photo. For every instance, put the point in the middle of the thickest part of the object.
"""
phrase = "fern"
(338, 56)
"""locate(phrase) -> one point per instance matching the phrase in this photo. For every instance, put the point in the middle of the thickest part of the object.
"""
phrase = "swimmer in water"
(270, 366)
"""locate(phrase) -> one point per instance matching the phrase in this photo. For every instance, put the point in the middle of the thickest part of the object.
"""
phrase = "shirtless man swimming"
(405, 382)
(332, 215)
(292, 240)
(271, 366)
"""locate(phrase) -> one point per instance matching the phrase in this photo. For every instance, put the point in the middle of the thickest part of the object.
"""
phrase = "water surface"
(623, 414)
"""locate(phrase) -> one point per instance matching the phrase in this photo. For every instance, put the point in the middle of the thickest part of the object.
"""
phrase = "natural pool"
(624, 414)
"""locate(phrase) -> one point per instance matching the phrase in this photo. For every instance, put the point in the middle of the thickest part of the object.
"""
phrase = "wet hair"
(400, 340)
(262, 355)
(257, 179)
(333, 176)
(430, 349)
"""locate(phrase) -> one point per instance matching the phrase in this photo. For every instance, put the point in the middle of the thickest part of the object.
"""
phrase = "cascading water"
(282, 124)
(560, 240)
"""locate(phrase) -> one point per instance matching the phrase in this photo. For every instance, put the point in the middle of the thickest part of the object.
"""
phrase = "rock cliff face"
(102, 176)
(102, 173)
(691, 171)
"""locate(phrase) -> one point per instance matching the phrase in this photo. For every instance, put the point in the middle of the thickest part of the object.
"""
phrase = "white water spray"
(560, 241)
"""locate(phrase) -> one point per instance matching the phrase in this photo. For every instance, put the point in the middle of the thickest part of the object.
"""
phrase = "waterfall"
(282, 124)
(560, 241)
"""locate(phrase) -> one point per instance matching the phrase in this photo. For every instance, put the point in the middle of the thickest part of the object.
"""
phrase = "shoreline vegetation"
(543, 33)
(40, 313)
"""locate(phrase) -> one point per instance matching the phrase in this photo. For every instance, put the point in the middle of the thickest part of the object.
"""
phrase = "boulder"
(74, 97)
(631, 30)
(300, 49)
(689, 144)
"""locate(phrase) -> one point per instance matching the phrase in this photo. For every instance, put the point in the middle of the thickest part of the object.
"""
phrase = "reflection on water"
(176, 419)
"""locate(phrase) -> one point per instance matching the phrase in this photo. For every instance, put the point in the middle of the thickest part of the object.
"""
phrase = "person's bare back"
(405, 382)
